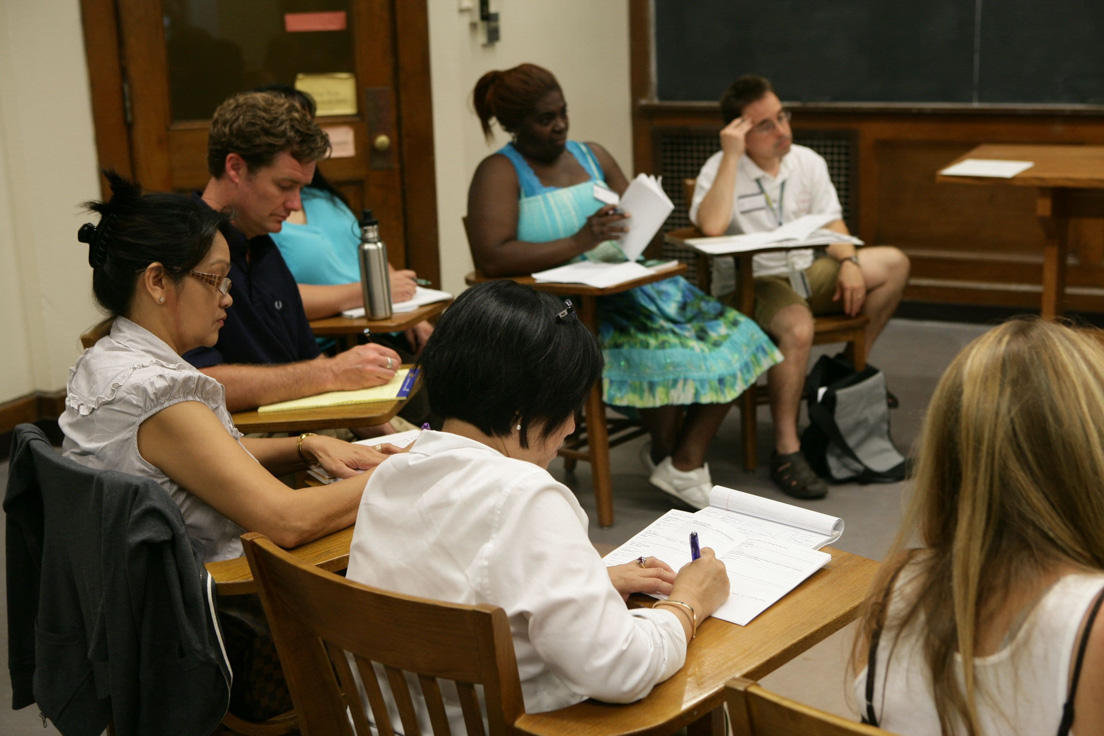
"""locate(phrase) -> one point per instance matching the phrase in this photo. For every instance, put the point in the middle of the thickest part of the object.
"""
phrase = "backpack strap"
(1067, 708)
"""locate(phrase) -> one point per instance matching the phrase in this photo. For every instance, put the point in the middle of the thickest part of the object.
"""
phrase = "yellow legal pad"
(389, 391)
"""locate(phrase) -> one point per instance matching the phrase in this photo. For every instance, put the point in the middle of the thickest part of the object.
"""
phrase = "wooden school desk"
(597, 432)
(334, 417)
(817, 608)
(1070, 180)
(348, 330)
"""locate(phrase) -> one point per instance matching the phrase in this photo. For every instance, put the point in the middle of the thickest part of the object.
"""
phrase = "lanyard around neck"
(781, 193)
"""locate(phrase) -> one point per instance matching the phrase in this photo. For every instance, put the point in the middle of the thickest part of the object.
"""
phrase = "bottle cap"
(367, 218)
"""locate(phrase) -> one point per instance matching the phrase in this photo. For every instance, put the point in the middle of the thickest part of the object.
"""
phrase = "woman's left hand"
(655, 576)
(344, 459)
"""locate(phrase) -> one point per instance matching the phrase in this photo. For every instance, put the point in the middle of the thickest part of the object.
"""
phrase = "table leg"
(749, 400)
(1055, 224)
(597, 431)
(711, 724)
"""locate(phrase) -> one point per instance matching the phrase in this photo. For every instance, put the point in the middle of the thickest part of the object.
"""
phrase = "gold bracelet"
(688, 607)
(299, 448)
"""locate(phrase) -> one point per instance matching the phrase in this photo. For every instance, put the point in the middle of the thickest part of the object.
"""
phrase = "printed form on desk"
(804, 232)
(422, 296)
(768, 547)
(994, 168)
(593, 273)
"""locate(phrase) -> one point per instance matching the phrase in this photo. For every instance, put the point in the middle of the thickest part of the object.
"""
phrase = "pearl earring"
(518, 427)
(161, 300)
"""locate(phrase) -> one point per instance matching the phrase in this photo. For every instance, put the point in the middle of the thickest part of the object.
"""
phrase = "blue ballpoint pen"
(695, 551)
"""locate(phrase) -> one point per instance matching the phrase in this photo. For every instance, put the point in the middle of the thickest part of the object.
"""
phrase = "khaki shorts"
(774, 293)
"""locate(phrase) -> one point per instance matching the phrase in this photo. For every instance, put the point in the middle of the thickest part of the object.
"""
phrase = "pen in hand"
(695, 550)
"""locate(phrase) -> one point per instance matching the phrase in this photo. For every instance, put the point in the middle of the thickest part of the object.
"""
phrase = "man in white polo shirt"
(758, 181)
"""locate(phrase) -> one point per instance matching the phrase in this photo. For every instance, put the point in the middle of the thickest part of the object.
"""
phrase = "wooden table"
(1070, 180)
(334, 417)
(693, 697)
(597, 433)
(817, 608)
(350, 329)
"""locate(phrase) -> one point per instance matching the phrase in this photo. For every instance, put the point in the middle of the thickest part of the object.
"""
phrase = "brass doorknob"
(382, 143)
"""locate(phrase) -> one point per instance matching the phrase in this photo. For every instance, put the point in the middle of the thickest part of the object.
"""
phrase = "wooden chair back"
(89, 338)
(318, 618)
(758, 712)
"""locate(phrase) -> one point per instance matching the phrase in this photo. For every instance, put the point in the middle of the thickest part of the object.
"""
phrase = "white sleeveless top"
(115, 385)
(1021, 688)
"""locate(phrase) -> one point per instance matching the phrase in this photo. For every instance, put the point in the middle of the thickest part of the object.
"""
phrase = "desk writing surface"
(817, 608)
(676, 269)
(395, 323)
(1080, 167)
(333, 417)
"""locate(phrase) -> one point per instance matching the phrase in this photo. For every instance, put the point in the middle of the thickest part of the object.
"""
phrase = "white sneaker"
(691, 486)
(646, 456)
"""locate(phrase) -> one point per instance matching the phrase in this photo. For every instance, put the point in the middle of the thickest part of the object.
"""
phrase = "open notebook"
(398, 387)
(768, 547)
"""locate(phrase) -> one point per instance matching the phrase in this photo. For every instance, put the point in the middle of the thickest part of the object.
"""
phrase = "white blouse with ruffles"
(126, 377)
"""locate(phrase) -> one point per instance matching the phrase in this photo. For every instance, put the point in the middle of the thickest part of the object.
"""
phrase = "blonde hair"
(1008, 483)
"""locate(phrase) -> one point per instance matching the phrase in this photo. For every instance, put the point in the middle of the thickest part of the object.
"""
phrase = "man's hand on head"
(733, 137)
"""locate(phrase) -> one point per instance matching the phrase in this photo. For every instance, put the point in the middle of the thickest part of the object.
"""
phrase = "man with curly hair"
(262, 151)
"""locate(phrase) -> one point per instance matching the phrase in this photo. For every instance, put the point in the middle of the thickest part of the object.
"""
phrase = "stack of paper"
(422, 296)
(804, 232)
(592, 273)
(398, 387)
(987, 167)
(648, 206)
(768, 547)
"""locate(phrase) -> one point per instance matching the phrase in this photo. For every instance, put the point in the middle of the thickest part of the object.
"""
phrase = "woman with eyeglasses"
(471, 515)
(985, 617)
(674, 354)
(159, 266)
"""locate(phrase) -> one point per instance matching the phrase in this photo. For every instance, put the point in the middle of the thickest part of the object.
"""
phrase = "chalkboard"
(897, 51)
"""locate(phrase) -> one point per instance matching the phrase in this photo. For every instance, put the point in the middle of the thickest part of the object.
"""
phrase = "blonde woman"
(990, 627)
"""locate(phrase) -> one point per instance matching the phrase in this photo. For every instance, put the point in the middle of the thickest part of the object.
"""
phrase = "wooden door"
(178, 59)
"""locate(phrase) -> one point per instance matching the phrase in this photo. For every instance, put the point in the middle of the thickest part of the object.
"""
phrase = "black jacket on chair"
(111, 612)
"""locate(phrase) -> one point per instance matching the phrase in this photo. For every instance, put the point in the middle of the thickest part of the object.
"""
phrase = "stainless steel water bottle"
(375, 281)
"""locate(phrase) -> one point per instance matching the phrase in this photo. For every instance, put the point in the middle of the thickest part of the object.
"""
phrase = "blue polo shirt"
(266, 323)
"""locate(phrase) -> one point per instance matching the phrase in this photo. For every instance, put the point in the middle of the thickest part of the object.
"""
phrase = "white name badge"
(605, 196)
(751, 203)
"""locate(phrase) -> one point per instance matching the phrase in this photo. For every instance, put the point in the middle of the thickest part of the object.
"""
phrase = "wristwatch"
(853, 259)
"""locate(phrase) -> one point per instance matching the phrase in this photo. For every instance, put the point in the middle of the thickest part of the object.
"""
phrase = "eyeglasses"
(767, 126)
(568, 311)
(222, 283)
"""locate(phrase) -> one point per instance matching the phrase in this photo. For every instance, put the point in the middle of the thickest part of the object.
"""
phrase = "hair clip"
(569, 310)
(95, 236)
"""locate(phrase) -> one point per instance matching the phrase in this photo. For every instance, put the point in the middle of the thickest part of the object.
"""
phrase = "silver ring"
(389, 363)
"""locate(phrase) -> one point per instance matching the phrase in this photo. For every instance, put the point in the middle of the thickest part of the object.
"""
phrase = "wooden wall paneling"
(641, 79)
(415, 112)
(376, 75)
(105, 77)
(145, 62)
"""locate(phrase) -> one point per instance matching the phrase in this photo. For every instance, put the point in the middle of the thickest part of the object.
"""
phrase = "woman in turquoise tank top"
(669, 348)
